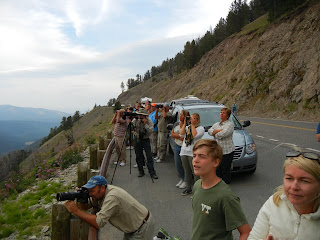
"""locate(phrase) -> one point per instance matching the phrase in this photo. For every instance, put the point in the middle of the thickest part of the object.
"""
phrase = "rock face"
(275, 72)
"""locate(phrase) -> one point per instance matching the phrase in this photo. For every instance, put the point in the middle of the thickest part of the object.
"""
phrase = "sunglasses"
(309, 155)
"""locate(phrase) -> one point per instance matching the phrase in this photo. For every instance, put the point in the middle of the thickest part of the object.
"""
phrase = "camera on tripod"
(82, 195)
(159, 106)
(131, 115)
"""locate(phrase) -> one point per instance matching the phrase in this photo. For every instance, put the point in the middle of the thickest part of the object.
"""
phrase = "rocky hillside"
(269, 70)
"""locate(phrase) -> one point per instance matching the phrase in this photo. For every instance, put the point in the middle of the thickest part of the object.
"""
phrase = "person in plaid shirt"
(223, 132)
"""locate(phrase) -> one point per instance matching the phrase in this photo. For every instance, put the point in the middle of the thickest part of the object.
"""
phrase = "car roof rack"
(204, 102)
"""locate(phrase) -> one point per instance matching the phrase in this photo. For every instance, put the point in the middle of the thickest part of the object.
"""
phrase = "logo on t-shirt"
(205, 208)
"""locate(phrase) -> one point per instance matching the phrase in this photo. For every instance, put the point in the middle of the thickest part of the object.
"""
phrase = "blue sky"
(69, 55)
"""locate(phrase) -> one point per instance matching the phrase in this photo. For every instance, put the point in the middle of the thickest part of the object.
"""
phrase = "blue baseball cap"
(94, 181)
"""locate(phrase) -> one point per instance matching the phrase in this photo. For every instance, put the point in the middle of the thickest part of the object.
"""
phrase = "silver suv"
(245, 155)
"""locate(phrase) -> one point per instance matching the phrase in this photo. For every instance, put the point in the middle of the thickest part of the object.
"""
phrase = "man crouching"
(118, 207)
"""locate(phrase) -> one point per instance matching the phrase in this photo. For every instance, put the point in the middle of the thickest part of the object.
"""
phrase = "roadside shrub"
(15, 183)
(90, 140)
(47, 168)
(70, 156)
(17, 216)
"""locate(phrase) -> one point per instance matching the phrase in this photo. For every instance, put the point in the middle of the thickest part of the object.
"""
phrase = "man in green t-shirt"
(216, 209)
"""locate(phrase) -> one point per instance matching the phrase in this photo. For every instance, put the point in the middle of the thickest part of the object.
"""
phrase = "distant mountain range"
(20, 126)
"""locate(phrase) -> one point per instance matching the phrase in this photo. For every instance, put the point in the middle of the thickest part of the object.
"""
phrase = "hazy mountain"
(8, 113)
(21, 126)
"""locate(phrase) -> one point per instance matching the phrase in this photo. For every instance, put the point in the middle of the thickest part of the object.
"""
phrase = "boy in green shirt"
(216, 209)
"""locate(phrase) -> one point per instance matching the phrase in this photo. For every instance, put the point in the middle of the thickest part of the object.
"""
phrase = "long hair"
(308, 165)
(197, 116)
(185, 113)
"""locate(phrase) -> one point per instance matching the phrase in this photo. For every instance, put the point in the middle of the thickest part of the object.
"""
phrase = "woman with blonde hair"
(191, 133)
(293, 212)
(175, 134)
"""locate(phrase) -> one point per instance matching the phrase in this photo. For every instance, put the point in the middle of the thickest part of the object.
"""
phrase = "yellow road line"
(284, 126)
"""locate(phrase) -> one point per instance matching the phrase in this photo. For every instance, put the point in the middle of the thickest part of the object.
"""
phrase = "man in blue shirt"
(154, 135)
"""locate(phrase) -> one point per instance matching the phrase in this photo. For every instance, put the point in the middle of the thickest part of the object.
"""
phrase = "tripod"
(122, 145)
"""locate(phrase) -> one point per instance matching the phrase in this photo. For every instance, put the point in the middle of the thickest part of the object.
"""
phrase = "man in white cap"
(118, 208)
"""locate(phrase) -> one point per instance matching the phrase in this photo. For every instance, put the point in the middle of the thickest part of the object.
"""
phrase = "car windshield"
(209, 116)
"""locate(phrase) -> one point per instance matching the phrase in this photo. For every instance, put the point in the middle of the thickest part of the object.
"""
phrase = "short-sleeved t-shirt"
(216, 212)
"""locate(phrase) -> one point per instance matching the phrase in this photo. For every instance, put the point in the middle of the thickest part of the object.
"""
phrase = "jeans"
(223, 170)
(177, 161)
(139, 146)
(188, 171)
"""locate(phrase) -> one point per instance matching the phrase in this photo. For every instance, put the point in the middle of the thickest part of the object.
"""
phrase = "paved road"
(173, 211)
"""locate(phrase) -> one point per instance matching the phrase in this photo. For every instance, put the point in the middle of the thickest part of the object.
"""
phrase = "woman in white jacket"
(293, 212)
(191, 134)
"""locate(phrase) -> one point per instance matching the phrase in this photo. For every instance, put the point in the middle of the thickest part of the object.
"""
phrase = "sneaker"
(156, 158)
(131, 147)
(179, 183)
(144, 166)
(128, 148)
(115, 163)
(122, 164)
(135, 166)
(141, 174)
(182, 185)
(154, 176)
(158, 161)
(186, 192)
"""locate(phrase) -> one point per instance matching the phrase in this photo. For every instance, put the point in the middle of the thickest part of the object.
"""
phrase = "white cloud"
(33, 39)
(69, 55)
(194, 17)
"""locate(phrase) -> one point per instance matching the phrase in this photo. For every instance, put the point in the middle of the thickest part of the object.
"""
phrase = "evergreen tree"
(117, 106)
(111, 102)
(76, 117)
(122, 86)
(146, 76)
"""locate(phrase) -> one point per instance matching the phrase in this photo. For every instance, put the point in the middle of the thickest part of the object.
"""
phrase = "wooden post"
(109, 134)
(82, 173)
(93, 156)
(60, 222)
(92, 172)
(101, 143)
(100, 157)
(79, 230)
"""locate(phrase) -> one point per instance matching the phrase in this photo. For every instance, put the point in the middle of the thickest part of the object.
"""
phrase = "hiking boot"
(186, 192)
